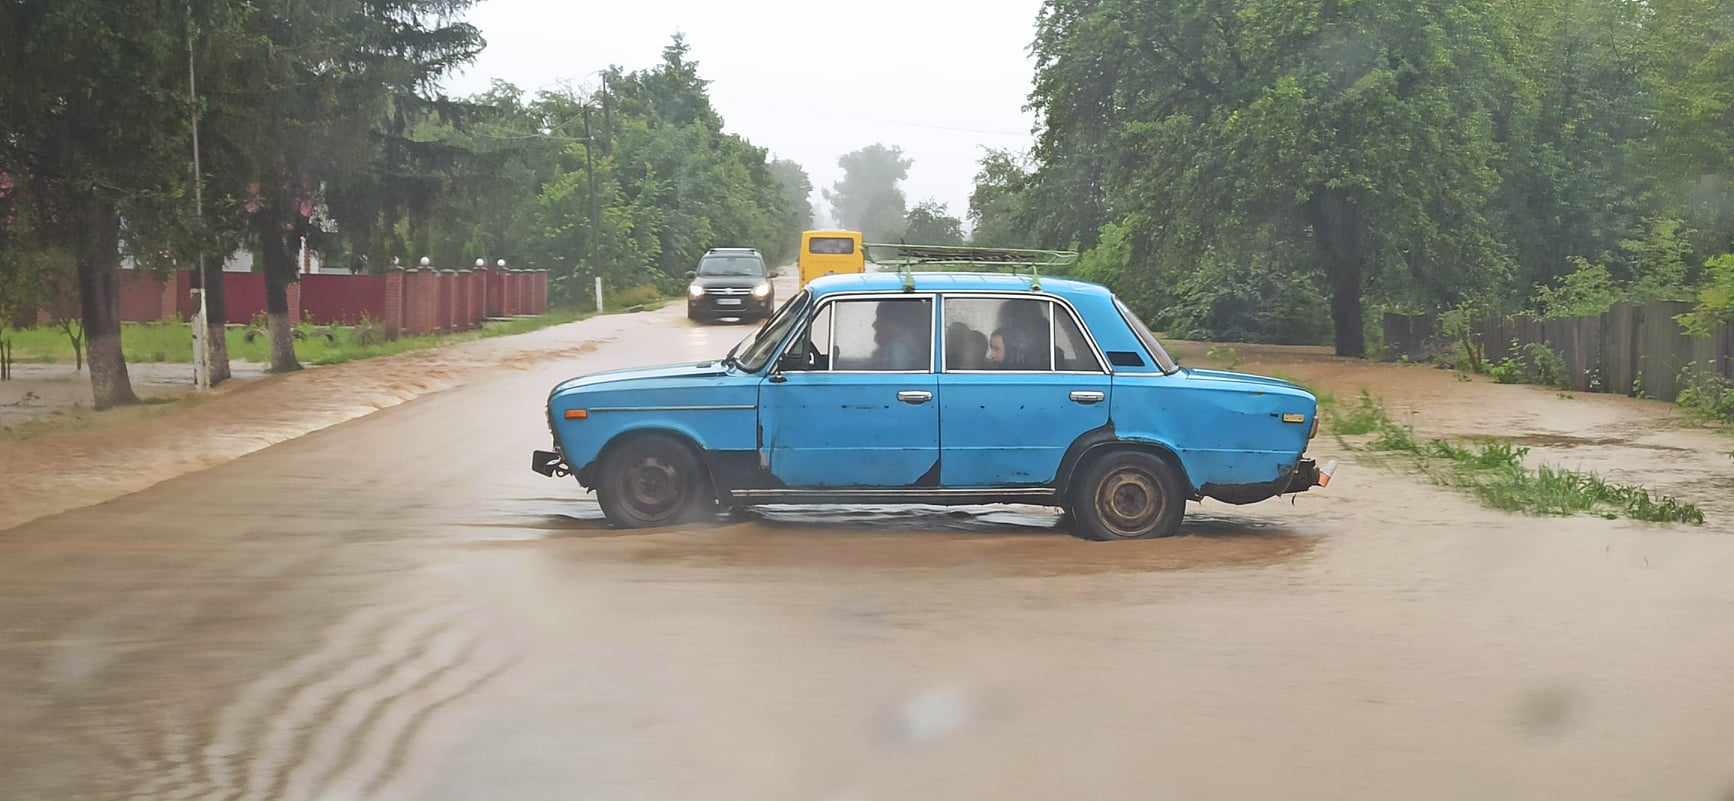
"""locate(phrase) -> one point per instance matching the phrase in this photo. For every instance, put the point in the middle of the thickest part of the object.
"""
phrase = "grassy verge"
(316, 344)
(1493, 471)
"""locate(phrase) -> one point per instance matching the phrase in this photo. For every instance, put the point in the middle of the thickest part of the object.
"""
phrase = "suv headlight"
(695, 291)
(763, 289)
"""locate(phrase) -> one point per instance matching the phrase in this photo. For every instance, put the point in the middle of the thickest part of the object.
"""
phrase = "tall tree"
(1363, 130)
(999, 201)
(96, 127)
(796, 207)
(1575, 129)
(631, 178)
(315, 122)
(868, 198)
(931, 223)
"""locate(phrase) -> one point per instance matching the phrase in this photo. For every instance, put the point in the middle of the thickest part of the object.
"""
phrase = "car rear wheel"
(1127, 495)
(653, 480)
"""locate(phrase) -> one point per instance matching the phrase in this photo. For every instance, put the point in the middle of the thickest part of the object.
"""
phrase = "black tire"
(1126, 495)
(653, 480)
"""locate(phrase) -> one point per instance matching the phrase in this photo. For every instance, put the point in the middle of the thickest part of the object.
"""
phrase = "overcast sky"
(809, 79)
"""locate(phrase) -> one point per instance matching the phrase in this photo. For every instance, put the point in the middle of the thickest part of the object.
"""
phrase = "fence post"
(393, 304)
(598, 294)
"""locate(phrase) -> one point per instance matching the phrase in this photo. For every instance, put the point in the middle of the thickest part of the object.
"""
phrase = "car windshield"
(731, 265)
(1145, 335)
(752, 353)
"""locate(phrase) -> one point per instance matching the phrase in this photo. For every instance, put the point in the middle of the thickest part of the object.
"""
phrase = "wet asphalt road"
(396, 607)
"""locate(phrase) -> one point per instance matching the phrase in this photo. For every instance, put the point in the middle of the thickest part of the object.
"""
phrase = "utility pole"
(201, 325)
(590, 167)
(607, 119)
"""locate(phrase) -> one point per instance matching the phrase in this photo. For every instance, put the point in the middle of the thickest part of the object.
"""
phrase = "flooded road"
(396, 607)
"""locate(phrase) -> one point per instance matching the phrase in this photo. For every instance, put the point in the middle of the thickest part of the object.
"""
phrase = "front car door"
(1020, 383)
(860, 410)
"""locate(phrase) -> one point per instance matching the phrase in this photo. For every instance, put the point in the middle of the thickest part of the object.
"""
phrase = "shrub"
(631, 296)
(367, 332)
(1534, 363)
(1706, 395)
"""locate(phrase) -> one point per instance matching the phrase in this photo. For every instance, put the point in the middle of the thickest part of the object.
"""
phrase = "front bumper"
(549, 463)
(1306, 475)
(711, 305)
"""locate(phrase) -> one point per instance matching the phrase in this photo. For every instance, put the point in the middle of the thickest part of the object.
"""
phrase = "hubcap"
(1129, 501)
(654, 487)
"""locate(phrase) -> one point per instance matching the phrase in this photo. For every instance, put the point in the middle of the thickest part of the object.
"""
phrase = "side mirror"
(692, 273)
(795, 360)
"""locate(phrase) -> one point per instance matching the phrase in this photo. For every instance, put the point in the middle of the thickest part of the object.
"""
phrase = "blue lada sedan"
(936, 388)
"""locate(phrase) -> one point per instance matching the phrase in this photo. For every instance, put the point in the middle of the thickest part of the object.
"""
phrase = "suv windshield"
(731, 265)
(1163, 360)
(752, 354)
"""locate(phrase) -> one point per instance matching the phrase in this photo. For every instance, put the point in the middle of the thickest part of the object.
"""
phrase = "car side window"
(889, 335)
(1071, 349)
(998, 334)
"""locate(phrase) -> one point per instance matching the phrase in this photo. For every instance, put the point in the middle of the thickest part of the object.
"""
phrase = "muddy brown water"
(395, 607)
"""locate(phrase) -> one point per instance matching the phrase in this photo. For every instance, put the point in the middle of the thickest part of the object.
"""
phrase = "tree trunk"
(1341, 243)
(279, 273)
(99, 302)
(216, 306)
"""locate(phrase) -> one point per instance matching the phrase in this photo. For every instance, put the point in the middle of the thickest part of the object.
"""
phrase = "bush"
(1715, 300)
(367, 332)
(1458, 326)
(1534, 363)
(1706, 395)
(630, 297)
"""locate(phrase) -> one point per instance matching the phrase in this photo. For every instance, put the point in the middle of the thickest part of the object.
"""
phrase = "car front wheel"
(653, 480)
(1127, 495)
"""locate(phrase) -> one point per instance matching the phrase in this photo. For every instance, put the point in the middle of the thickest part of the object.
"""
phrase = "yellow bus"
(831, 253)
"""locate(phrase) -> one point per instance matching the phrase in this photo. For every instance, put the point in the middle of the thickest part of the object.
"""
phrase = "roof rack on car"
(907, 259)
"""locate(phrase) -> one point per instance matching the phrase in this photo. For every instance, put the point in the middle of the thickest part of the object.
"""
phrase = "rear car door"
(1020, 382)
(863, 412)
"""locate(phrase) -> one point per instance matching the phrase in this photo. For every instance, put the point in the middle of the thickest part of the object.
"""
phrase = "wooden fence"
(1629, 347)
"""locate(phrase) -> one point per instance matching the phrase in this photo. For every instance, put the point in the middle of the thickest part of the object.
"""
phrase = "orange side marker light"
(577, 414)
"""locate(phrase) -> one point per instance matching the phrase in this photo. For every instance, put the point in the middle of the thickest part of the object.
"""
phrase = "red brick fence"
(406, 302)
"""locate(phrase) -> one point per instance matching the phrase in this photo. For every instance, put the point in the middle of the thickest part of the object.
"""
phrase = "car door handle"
(1088, 396)
(914, 396)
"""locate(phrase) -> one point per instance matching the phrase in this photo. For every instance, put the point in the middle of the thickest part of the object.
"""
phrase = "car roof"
(951, 282)
(731, 250)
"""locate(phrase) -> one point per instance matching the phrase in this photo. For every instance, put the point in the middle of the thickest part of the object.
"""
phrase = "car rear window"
(831, 245)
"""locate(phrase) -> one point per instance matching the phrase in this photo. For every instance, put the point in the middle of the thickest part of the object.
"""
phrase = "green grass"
(1493, 472)
(1365, 417)
(173, 342)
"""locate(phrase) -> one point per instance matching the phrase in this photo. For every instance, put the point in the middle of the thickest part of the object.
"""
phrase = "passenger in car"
(899, 334)
(965, 347)
(1013, 348)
